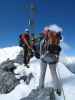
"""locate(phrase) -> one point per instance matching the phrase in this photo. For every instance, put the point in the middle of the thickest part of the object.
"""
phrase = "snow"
(9, 52)
(23, 90)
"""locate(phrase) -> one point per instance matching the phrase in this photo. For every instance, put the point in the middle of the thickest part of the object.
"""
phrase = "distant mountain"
(69, 62)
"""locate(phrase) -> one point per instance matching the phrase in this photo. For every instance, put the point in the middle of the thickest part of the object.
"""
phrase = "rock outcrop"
(41, 94)
(7, 78)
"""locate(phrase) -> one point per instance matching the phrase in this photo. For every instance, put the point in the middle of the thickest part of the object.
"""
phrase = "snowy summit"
(23, 90)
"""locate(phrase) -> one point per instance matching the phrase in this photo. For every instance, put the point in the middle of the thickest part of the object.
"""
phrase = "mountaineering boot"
(58, 91)
(26, 65)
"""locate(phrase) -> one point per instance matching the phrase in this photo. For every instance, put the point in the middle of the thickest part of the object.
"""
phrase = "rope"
(62, 87)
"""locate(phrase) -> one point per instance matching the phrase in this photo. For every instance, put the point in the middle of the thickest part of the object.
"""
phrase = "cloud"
(65, 46)
(65, 49)
(66, 53)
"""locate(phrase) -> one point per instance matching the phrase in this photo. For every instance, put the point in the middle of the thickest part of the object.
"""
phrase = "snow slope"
(9, 52)
(22, 90)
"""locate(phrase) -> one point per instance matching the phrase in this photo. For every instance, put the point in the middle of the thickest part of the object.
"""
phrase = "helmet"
(27, 30)
(55, 28)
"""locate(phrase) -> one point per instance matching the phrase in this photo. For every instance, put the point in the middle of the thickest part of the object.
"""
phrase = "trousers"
(52, 68)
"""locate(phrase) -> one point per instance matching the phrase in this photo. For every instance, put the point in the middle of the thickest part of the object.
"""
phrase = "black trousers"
(27, 54)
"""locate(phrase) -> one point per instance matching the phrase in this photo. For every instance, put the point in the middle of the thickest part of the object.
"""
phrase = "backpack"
(21, 42)
(52, 48)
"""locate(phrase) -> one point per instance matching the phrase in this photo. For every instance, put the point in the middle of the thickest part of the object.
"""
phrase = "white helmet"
(55, 28)
(26, 30)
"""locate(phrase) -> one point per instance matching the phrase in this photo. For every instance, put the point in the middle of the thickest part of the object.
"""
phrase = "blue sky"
(13, 19)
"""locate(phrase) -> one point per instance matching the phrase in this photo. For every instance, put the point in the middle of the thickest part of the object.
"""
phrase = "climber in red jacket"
(25, 43)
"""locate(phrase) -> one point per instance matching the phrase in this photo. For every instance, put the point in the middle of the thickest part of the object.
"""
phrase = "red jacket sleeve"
(23, 38)
(25, 41)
